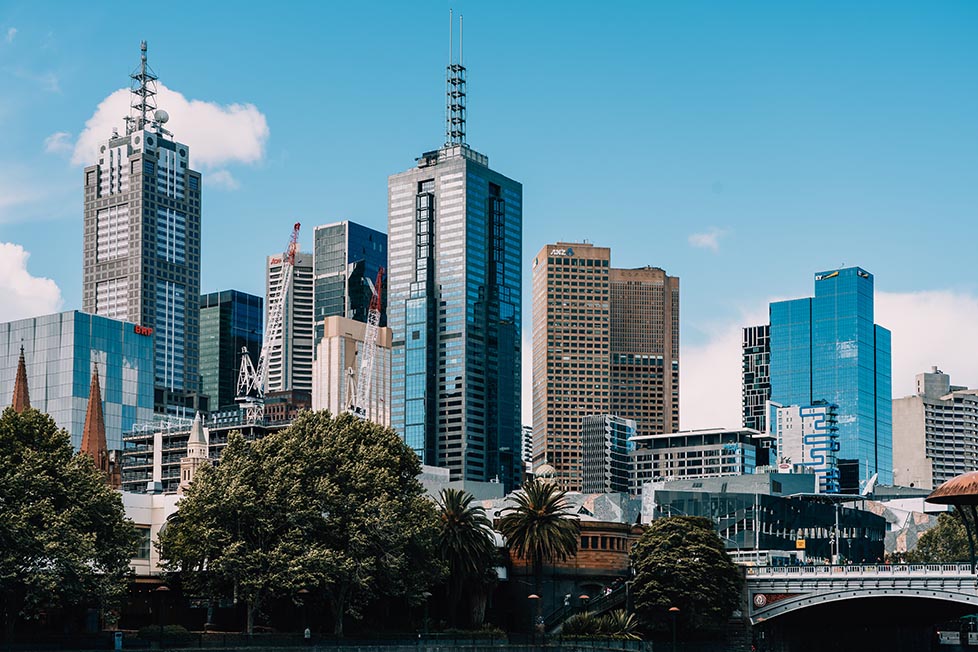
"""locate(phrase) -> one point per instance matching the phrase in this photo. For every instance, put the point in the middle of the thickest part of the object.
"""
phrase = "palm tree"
(540, 526)
(465, 542)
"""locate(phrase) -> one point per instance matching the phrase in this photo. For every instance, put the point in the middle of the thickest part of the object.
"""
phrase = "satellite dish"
(162, 116)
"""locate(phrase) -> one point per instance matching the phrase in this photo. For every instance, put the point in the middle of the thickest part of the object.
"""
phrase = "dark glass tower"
(827, 348)
(229, 320)
(455, 284)
(345, 255)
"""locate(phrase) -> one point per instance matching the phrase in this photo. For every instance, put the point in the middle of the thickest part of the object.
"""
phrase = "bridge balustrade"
(858, 570)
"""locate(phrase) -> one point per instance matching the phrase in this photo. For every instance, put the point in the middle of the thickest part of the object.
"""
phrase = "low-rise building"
(696, 454)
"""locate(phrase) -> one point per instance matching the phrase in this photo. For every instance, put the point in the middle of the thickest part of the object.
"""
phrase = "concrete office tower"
(935, 432)
(605, 341)
(571, 352)
(645, 348)
(807, 437)
(142, 241)
(229, 321)
(290, 363)
(756, 374)
(345, 255)
(61, 353)
(454, 305)
(827, 348)
(337, 365)
(606, 453)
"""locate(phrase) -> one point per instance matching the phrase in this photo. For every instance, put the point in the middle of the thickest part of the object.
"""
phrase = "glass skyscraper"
(345, 255)
(229, 320)
(61, 350)
(827, 348)
(455, 229)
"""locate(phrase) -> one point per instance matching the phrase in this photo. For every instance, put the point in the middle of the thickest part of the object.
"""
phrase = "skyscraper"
(827, 348)
(290, 363)
(571, 352)
(229, 321)
(345, 256)
(605, 342)
(645, 348)
(454, 301)
(142, 241)
(756, 375)
(337, 368)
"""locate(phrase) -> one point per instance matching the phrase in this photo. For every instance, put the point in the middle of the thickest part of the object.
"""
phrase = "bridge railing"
(859, 570)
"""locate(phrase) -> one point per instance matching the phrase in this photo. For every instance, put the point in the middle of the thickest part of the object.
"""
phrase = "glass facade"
(229, 321)
(455, 229)
(61, 350)
(345, 255)
(827, 348)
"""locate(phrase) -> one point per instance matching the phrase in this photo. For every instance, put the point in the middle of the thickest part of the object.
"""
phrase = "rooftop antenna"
(455, 88)
(143, 89)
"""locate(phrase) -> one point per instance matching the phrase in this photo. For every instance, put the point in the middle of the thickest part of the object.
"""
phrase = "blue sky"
(790, 137)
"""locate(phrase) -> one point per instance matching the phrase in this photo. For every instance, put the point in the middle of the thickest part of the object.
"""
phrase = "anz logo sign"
(562, 252)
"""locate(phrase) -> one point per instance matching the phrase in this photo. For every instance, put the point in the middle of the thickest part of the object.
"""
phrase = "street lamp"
(584, 598)
(303, 594)
(161, 591)
(674, 613)
(538, 621)
(426, 595)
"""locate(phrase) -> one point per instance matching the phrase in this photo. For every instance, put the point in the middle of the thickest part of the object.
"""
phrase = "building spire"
(143, 89)
(455, 88)
(93, 436)
(22, 397)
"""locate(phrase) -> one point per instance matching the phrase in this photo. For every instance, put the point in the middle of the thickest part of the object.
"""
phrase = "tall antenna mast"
(455, 88)
(143, 89)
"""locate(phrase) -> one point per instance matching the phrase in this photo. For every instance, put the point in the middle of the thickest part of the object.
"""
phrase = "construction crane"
(252, 380)
(360, 401)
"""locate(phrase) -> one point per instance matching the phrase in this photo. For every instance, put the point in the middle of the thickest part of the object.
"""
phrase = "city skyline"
(796, 142)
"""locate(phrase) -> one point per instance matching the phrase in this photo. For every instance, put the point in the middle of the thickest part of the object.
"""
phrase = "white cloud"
(708, 239)
(929, 328)
(217, 134)
(11, 33)
(23, 295)
(221, 179)
(58, 142)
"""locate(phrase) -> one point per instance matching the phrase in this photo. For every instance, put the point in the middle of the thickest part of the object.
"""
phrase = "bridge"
(777, 590)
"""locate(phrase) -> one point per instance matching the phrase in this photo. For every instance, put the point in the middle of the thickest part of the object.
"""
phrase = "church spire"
(93, 436)
(22, 398)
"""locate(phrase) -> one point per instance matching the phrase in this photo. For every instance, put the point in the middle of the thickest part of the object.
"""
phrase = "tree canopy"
(64, 538)
(329, 505)
(681, 562)
(946, 542)
(540, 525)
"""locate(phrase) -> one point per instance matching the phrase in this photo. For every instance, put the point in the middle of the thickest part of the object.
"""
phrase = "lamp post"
(584, 598)
(427, 596)
(303, 595)
(538, 620)
(162, 590)
(674, 613)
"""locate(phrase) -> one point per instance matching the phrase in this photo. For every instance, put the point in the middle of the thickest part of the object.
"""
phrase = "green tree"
(540, 526)
(465, 543)
(946, 542)
(681, 562)
(330, 505)
(64, 538)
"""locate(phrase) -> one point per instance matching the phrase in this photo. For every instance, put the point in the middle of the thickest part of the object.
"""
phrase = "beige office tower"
(605, 341)
(337, 365)
(645, 349)
(571, 352)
